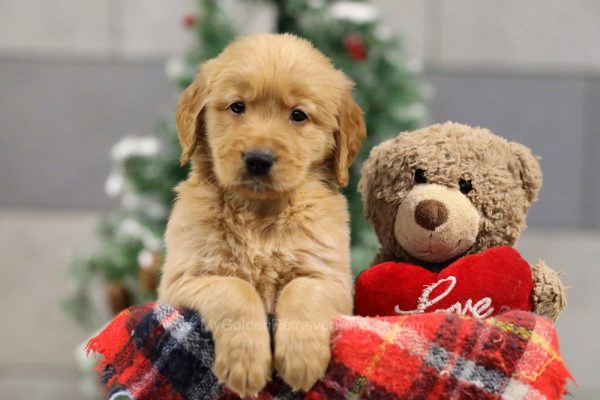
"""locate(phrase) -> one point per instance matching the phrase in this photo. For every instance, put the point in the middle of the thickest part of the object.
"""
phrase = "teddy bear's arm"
(549, 297)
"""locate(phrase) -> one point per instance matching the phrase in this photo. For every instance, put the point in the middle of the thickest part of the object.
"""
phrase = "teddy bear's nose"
(430, 214)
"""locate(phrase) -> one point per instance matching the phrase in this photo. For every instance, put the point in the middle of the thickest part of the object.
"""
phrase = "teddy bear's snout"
(436, 223)
(430, 214)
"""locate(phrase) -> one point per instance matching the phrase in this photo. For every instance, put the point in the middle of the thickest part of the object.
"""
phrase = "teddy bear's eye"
(465, 186)
(420, 176)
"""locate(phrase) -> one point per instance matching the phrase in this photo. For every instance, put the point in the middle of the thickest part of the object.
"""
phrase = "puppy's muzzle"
(258, 162)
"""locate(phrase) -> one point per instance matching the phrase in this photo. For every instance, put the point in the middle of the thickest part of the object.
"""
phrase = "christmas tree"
(145, 169)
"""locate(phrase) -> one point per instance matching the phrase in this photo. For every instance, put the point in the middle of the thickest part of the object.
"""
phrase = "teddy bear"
(447, 203)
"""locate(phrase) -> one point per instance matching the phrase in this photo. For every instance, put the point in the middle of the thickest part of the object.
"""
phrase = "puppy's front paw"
(301, 355)
(243, 360)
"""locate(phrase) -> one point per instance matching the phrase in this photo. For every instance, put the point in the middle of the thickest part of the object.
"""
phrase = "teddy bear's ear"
(529, 170)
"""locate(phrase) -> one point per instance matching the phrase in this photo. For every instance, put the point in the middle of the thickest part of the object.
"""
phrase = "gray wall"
(75, 77)
(556, 115)
(60, 118)
(58, 121)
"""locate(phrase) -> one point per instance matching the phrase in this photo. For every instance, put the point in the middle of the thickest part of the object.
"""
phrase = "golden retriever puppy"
(259, 227)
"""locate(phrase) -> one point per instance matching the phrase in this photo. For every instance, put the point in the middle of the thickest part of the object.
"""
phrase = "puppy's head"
(269, 113)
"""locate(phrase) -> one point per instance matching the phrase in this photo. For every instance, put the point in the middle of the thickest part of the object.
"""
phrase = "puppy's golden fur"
(241, 247)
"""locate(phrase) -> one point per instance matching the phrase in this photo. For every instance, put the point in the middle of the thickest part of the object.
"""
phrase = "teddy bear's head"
(447, 190)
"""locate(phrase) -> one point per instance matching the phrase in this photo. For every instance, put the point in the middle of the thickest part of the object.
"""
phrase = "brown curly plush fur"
(505, 176)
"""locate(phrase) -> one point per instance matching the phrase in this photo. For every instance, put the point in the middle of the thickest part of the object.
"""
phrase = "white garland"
(146, 259)
(114, 184)
(177, 68)
(353, 11)
(132, 145)
(151, 207)
(129, 228)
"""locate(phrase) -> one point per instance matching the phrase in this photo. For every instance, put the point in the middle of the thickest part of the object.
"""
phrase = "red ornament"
(355, 47)
(189, 20)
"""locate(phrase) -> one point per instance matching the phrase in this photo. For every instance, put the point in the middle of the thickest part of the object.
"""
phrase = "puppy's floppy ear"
(529, 170)
(348, 137)
(188, 116)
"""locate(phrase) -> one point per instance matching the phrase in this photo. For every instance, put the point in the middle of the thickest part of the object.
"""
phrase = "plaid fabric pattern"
(154, 351)
(444, 356)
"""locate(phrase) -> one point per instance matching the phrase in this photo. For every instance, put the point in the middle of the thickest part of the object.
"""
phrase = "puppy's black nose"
(258, 162)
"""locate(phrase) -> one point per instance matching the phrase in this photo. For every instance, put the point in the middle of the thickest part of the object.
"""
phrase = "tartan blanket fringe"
(153, 351)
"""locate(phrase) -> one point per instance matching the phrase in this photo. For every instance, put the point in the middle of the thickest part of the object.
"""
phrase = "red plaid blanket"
(154, 351)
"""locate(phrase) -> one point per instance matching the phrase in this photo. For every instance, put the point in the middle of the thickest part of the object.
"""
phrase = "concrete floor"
(37, 343)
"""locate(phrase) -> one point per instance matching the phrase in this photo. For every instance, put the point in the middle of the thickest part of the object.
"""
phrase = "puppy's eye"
(298, 116)
(420, 176)
(238, 107)
(465, 186)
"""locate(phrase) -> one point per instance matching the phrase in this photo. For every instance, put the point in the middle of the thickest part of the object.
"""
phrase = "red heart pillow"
(478, 285)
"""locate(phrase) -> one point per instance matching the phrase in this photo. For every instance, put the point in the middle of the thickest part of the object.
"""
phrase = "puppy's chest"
(258, 251)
